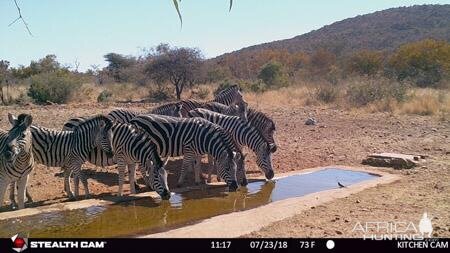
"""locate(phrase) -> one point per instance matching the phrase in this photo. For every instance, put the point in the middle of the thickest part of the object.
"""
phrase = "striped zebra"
(264, 124)
(129, 148)
(125, 116)
(70, 149)
(16, 157)
(191, 137)
(243, 134)
(259, 120)
(229, 96)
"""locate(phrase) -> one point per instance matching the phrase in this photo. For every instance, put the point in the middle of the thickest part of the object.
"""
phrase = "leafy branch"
(177, 8)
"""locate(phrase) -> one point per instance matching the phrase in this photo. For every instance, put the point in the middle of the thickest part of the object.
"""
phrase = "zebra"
(70, 149)
(125, 116)
(243, 134)
(129, 148)
(264, 124)
(239, 109)
(229, 96)
(191, 137)
(259, 120)
(16, 157)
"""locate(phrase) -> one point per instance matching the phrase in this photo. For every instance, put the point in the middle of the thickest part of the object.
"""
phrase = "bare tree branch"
(20, 17)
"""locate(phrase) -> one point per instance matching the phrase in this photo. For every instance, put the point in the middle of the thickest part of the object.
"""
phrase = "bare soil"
(340, 137)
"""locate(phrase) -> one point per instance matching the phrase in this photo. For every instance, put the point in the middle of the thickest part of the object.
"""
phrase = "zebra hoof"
(14, 206)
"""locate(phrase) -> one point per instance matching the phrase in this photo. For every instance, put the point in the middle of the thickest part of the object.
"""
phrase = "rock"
(396, 161)
(338, 232)
(358, 201)
(310, 122)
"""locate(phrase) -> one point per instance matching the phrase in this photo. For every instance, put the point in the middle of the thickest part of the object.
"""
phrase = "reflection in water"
(148, 215)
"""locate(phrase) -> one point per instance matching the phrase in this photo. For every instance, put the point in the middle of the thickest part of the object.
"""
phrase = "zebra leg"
(188, 162)
(12, 197)
(132, 177)
(28, 195)
(22, 185)
(211, 167)
(197, 169)
(67, 189)
(121, 166)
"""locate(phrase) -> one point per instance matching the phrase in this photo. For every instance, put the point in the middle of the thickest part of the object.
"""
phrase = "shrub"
(104, 96)
(159, 95)
(326, 93)
(425, 62)
(365, 92)
(272, 74)
(200, 93)
(365, 62)
(55, 87)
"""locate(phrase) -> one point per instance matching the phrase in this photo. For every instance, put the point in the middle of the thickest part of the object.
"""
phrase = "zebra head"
(19, 137)
(105, 136)
(264, 159)
(155, 175)
(226, 168)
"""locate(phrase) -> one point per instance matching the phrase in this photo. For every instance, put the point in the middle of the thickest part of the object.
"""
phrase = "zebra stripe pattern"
(191, 138)
(243, 134)
(259, 120)
(125, 116)
(229, 96)
(70, 149)
(130, 148)
(264, 124)
(16, 157)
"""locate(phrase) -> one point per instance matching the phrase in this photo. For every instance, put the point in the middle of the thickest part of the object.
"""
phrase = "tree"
(426, 62)
(365, 62)
(5, 76)
(273, 74)
(322, 61)
(117, 63)
(179, 66)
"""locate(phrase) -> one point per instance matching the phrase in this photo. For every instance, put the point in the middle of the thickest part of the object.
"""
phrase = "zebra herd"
(219, 128)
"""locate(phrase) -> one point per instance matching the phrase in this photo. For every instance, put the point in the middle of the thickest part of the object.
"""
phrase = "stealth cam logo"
(19, 244)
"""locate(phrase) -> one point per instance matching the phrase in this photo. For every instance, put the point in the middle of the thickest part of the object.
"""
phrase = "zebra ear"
(12, 119)
(27, 120)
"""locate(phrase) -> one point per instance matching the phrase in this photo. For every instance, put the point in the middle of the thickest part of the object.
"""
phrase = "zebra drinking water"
(191, 137)
(130, 148)
(243, 134)
(70, 149)
(16, 157)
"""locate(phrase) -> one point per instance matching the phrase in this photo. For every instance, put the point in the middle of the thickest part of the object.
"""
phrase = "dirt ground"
(340, 137)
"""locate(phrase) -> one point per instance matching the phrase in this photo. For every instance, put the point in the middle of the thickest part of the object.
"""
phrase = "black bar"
(229, 245)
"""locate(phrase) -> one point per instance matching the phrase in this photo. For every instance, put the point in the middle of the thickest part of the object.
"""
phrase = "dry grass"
(293, 95)
(427, 102)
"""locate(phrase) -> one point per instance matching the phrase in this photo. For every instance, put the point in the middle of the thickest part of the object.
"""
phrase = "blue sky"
(85, 30)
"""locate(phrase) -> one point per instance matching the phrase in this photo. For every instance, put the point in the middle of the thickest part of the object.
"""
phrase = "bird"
(341, 185)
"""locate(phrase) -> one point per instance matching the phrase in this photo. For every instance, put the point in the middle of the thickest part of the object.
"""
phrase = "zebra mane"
(96, 119)
(260, 116)
(229, 89)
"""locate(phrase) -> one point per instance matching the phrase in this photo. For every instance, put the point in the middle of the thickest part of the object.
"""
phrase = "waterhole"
(145, 216)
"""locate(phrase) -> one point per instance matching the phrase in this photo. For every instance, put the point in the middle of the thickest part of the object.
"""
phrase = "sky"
(84, 30)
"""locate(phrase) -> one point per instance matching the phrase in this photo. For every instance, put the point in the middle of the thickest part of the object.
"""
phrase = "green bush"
(104, 96)
(272, 74)
(362, 93)
(425, 62)
(54, 87)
